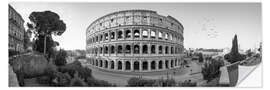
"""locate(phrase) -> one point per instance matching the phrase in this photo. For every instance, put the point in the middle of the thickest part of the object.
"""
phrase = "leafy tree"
(60, 58)
(200, 57)
(211, 69)
(44, 25)
(234, 55)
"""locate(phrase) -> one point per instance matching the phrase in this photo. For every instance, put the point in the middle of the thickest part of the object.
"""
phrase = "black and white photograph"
(133, 44)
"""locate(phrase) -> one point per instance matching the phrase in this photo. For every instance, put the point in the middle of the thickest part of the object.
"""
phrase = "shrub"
(71, 68)
(98, 83)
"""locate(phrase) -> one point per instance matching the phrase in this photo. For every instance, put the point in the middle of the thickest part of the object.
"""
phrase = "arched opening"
(120, 34)
(96, 38)
(166, 50)
(153, 49)
(128, 49)
(119, 49)
(112, 49)
(172, 63)
(136, 33)
(119, 63)
(145, 33)
(127, 65)
(106, 64)
(112, 64)
(175, 62)
(159, 35)
(153, 34)
(96, 62)
(160, 64)
(160, 50)
(136, 65)
(136, 49)
(128, 34)
(106, 36)
(100, 50)
(145, 49)
(166, 36)
(145, 65)
(112, 35)
(153, 65)
(100, 37)
(167, 64)
(172, 50)
(100, 63)
(106, 50)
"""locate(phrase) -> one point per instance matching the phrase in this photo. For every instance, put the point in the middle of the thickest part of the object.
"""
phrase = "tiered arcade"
(135, 40)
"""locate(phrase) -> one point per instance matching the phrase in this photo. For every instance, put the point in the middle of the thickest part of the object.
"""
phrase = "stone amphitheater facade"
(135, 41)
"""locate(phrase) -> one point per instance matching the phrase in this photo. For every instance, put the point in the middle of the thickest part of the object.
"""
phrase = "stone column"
(132, 33)
(156, 68)
(141, 49)
(149, 65)
(103, 65)
(115, 65)
(149, 48)
(131, 65)
(140, 65)
(123, 65)
(164, 64)
(109, 65)
(169, 64)
(132, 48)
(140, 33)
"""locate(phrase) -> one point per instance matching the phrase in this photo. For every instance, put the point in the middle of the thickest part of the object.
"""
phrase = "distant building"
(16, 30)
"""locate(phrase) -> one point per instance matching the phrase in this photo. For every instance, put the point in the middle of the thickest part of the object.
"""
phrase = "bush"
(211, 70)
(71, 68)
(98, 83)
(140, 82)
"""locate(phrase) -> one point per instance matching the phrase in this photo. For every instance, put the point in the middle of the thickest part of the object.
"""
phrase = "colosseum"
(135, 41)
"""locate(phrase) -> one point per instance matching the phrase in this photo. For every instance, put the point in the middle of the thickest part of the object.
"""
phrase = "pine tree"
(234, 55)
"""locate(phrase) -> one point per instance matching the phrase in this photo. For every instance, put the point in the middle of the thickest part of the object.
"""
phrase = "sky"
(206, 25)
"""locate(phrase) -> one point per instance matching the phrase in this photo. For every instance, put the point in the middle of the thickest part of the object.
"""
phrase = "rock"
(13, 82)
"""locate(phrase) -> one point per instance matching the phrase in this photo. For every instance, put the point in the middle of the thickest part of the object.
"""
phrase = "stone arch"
(100, 50)
(128, 49)
(172, 63)
(112, 35)
(100, 37)
(153, 49)
(119, 49)
(160, 50)
(112, 65)
(106, 36)
(160, 64)
(145, 65)
(96, 62)
(166, 50)
(120, 34)
(112, 49)
(172, 50)
(166, 64)
(145, 33)
(106, 50)
(100, 63)
(119, 65)
(106, 63)
(136, 33)
(153, 65)
(175, 62)
(128, 34)
(136, 65)
(127, 63)
(145, 49)
(136, 49)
